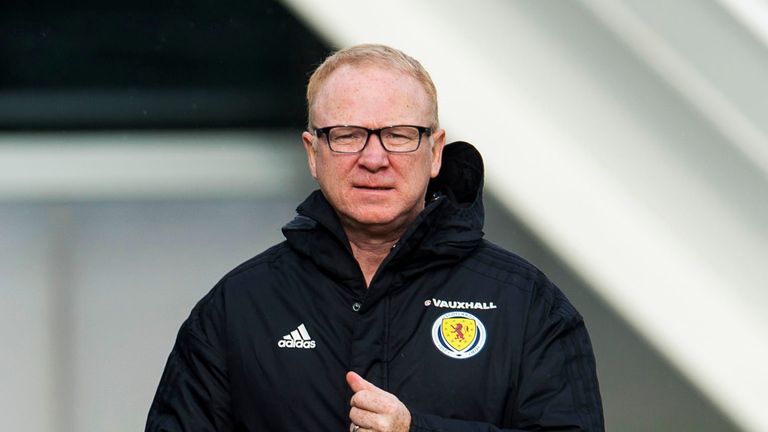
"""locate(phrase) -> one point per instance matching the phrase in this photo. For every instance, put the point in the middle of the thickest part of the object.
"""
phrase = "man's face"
(373, 190)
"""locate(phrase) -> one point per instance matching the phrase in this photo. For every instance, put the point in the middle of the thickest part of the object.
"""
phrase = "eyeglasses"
(353, 139)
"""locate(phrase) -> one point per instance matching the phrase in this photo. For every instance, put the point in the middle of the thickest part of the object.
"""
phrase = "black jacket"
(468, 336)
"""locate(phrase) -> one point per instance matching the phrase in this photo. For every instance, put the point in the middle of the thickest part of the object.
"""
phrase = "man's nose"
(373, 156)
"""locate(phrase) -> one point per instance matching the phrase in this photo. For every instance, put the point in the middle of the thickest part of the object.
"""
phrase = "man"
(384, 309)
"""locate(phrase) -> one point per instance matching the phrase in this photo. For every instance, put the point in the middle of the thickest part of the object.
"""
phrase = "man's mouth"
(372, 186)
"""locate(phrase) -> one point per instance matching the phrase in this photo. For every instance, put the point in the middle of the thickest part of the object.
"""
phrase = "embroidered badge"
(458, 334)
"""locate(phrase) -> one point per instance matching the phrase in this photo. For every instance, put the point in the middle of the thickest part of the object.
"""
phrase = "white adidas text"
(298, 338)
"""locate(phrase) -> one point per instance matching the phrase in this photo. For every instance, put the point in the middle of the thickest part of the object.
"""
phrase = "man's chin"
(373, 220)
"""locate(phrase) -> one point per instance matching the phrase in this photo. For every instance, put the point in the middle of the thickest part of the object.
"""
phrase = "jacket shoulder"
(508, 268)
(267, 257)
(495, 262)
(211, 307)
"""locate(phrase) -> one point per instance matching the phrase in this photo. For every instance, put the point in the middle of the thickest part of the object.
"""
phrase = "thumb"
(357, 383)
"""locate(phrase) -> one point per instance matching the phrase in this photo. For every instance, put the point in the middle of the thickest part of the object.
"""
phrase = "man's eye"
(399, 137)
(348, 136)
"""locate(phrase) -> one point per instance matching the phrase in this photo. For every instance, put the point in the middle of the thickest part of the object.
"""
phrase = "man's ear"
(309, 147)
(438, 138)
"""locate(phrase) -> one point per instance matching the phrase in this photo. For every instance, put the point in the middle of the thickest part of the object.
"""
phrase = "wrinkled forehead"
(371, 87)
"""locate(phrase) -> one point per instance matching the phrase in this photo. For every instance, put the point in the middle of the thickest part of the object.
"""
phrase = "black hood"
(449, 228)
(461, 175)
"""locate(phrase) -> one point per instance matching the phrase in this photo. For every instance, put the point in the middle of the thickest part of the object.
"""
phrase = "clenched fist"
(373, 409)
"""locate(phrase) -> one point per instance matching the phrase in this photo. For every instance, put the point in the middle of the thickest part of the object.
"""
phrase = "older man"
(384, 309)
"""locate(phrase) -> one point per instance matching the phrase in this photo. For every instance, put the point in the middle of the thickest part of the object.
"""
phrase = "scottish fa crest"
(458, 334)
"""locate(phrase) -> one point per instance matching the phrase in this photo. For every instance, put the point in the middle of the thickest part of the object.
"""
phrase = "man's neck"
(369, 251)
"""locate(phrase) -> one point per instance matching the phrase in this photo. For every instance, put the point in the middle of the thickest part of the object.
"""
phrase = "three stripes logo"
(298, 338)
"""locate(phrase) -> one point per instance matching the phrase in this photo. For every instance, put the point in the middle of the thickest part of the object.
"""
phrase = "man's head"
(373, 55)
(373, 189)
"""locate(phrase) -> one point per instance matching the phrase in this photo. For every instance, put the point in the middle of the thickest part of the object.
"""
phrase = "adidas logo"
(298, 338)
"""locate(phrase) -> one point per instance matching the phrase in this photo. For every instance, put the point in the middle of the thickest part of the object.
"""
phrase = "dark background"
(148, 64)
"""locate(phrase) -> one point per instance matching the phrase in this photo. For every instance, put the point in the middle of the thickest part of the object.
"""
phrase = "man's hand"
(373, 409)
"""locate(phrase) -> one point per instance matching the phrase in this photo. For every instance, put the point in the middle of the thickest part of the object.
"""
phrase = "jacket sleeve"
(193, 394)
(557, 388)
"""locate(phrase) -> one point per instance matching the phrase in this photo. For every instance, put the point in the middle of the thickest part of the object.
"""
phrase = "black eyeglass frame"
(423, 130)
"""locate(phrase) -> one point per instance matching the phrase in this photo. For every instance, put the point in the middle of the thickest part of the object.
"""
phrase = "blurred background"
(147, 147)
